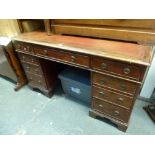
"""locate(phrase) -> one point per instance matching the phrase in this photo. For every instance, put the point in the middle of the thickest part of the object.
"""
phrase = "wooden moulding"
(121, 126)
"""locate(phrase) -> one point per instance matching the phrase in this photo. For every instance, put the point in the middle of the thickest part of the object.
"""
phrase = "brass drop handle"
(103, 66)
(116, 113)
(120, 99)
(25, 49)
(73, 58)
(126, 70)
(102, 81)
(102, 93)
(30, 78)
(45, 52)
(28, 47)
(100, 105)
(39, 81)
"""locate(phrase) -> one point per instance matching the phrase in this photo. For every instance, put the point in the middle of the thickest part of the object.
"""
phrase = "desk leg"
(120, 125)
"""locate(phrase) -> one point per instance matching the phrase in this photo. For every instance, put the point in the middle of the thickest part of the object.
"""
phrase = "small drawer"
(24, 47)
(32, 69)
(111, 110)
(123, 86)
(64, 56)
(36, 81)
(118, 68)
(113, 97)
(28, 59)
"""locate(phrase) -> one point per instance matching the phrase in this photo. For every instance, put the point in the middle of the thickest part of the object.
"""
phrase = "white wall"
(149, 83)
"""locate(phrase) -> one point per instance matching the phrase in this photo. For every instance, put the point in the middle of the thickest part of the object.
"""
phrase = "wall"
(149, 83)
(9, 27)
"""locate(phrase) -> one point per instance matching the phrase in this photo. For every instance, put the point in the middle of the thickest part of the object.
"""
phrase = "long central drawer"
(65, 56)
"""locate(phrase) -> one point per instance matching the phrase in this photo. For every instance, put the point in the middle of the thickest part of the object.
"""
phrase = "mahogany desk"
(117, 69)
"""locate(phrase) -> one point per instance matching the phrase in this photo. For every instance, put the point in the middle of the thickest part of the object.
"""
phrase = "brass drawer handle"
(116, 113)
(39, 81)
(73, 58)
(30, 78)
(24, 48)
(126, 70)
(103, 66)
(101, 93)
(100, 105)
(120, 99)
(102, 81)
(28, 47)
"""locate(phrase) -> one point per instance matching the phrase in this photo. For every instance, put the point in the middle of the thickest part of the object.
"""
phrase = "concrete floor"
(29, 112)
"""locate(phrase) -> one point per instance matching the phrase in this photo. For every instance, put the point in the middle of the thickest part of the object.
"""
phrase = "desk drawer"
(112, 97)
(109, 109)
(32, 69)
(123, 86)
(19, 46)
(64, 56)
(28, 59)
(119, 68)
(36, 81)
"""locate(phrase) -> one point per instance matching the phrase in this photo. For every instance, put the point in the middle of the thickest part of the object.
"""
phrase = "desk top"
(123, 51)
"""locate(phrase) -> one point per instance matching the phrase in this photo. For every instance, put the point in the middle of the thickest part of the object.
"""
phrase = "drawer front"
(112, 97)
(36, 81)
(19, 46)
(64, 56)
(109, 109)
(115, 83)
(119, 68)
(28, 59)
(32, 69)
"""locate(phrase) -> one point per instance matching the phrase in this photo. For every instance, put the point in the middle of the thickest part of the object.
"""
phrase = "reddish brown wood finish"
(117, 68)
(38, 74)
(63, 56)
(123, 69)
(28, 59)
(116, 50)
(113, 97)
(114, 83)
(109, 109)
